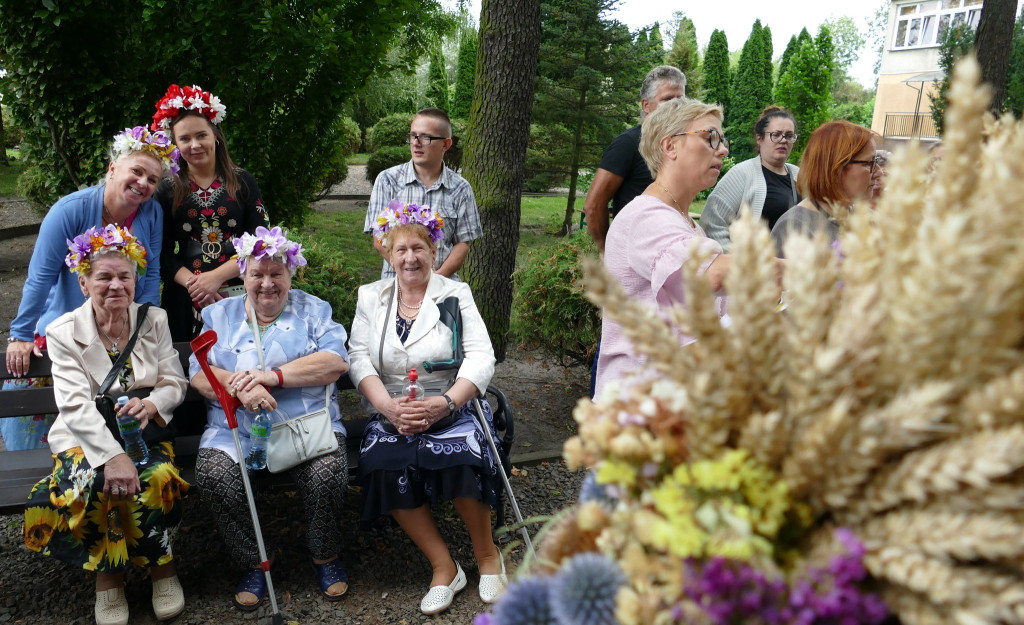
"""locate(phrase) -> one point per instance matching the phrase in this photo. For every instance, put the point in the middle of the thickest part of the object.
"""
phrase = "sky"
(735, 17)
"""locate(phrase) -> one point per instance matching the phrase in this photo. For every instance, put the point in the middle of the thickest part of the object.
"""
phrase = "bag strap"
(251, 313)
(126, 352)
(383, 331)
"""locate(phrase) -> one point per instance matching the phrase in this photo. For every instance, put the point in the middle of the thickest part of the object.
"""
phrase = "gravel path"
(387, 572)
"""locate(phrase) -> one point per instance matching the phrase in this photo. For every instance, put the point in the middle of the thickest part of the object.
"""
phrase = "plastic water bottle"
(128, 426)
(258, 435)
(413, 390)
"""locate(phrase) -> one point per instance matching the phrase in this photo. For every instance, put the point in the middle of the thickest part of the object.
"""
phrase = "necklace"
(114, 350)
(402, 304)
(676, 202)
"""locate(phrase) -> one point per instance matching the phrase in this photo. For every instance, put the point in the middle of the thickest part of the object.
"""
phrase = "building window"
(922, 24)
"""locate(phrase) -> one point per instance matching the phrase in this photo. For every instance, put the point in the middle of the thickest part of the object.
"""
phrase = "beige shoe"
(111, 607)
(168, 598)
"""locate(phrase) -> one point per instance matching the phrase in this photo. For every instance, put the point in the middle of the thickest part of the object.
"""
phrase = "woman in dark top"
(210, 202)
(766, 182)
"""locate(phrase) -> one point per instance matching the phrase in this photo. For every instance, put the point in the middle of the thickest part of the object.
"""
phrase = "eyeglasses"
(715, 138)
(422, 139)
(871, 164)
(778, 136)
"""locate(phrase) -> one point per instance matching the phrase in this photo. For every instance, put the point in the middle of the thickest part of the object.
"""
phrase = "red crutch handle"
(201, 346)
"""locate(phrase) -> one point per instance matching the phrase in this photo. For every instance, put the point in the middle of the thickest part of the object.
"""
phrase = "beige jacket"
(429, 339)
(80, 363)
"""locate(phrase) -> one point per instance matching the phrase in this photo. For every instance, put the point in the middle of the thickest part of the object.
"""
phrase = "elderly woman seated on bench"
(98, 510)
(419, 452)
(278, 349)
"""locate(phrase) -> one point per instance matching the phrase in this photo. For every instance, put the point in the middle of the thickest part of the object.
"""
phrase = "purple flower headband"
(140, 139)
(399, 214)
(268, 244)
(86, 246)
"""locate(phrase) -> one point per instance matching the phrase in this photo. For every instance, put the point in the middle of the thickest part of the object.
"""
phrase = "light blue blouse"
(304, 327)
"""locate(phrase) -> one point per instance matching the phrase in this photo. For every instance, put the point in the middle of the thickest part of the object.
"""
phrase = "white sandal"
(168, 598)
(439, 598)
(491, 586)
(111, 607)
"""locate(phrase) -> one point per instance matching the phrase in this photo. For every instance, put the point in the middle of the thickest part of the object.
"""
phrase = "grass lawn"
(9, 175)
(357, 159)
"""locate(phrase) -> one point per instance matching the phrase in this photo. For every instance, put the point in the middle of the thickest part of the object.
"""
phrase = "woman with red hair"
(837, 169)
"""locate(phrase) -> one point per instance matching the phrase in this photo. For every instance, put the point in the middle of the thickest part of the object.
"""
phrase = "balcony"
(909, 126)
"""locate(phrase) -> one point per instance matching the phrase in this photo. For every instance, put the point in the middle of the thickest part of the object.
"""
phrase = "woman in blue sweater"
(138, 159)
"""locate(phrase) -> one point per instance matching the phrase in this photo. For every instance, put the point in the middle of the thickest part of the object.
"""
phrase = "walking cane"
(451, 316)
(201, 346)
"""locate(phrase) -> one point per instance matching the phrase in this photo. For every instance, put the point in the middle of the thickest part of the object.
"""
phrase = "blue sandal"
(328, 574)
(255, 582)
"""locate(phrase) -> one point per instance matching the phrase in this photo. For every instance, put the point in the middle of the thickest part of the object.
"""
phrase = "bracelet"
(280, 376)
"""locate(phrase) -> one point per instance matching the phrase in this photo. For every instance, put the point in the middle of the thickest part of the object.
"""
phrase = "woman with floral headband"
(417, 453)
(97, 510)
(207, 204)
(137, 159)
(303, 353)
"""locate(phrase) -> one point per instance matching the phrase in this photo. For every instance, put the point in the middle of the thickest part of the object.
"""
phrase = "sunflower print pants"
(67, 516)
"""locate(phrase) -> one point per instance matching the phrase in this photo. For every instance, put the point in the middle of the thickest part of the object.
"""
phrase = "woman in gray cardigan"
(766, 182)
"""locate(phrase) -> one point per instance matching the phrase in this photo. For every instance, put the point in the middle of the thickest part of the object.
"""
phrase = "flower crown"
(178, 99)
(399, 214)
(268, 244)
(139, 139)
(96, 241)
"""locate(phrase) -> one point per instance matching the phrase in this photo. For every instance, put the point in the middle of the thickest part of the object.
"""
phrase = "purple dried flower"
(583, 593)
(525, 602)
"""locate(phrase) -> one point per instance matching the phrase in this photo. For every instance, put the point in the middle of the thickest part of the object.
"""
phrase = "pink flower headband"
(139, 139)
(178, 99)
(268, 244)
(398, 214)
(94, 241)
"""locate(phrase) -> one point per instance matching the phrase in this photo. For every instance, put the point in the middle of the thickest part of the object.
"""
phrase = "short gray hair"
(658, 75)
(669, 118)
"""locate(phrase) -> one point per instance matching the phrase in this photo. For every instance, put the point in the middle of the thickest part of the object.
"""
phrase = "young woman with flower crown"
(137, 159)
(97, 510)
(207, 204)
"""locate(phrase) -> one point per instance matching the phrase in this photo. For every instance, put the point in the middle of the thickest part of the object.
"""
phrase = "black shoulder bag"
(107, 405)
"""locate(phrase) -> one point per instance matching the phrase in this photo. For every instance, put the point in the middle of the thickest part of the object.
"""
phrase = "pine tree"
(686, 55)
(656, 44)
(751, 92)
(463, 98)
(715, 72)
(787, 54)
(437, 80)
(767, 53)
(1015, 73)
(806, 87)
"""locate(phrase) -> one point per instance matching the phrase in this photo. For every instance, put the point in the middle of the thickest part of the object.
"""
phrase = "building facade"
(910, 65)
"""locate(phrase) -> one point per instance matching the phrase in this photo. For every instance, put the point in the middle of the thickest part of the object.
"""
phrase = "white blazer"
(81, 363)
(429, 339)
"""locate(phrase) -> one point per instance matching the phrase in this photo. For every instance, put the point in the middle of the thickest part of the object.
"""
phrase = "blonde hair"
(411, 228)
(669, 118)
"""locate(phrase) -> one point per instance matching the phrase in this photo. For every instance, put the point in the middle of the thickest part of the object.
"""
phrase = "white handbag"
(300, 439)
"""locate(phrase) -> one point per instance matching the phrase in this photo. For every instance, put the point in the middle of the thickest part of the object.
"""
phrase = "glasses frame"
(790, 139)
(415, 139)
(711, 133)
(871, 164)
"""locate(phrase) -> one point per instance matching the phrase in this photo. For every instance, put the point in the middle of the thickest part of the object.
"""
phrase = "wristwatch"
(451, 404)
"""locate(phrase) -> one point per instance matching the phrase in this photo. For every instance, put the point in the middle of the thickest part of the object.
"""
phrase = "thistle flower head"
(583, 593)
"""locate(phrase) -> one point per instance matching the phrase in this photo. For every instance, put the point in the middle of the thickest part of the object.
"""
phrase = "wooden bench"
(20, 470)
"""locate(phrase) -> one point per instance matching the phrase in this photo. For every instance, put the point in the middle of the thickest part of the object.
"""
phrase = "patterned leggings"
(322, 482)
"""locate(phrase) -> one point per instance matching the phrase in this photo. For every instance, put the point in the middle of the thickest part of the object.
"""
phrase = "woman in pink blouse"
(653, 236)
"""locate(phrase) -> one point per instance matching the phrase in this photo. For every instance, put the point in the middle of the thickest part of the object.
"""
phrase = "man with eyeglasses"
(622, 174)
(426, 180)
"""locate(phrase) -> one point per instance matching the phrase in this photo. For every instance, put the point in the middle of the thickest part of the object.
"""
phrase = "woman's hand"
(143, 410)
(419, 414)
(717, 271)
(120, 478)
(18, 356)
(250, 379)
(257, 398)
(203, 287)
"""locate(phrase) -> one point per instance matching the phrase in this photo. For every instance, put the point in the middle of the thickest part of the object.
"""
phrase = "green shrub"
(453, 157)
(547, 161)
(727, 164)
(349, 135)
(12, 132)
(327, 276)
(384, 158)
(389, 132)
(549, 310)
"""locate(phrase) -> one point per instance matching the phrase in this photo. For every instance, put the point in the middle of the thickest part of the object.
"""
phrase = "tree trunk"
(3, 143)
(993, 42)
(574, 171)
(495, 156)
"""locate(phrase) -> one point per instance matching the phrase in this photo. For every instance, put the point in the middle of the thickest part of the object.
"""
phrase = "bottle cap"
(123, 399)
(413, 375)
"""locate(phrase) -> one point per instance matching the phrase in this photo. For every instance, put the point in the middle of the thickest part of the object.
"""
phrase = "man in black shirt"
(622, 174)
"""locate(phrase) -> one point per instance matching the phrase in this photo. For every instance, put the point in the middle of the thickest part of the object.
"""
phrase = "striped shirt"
(451, 196)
